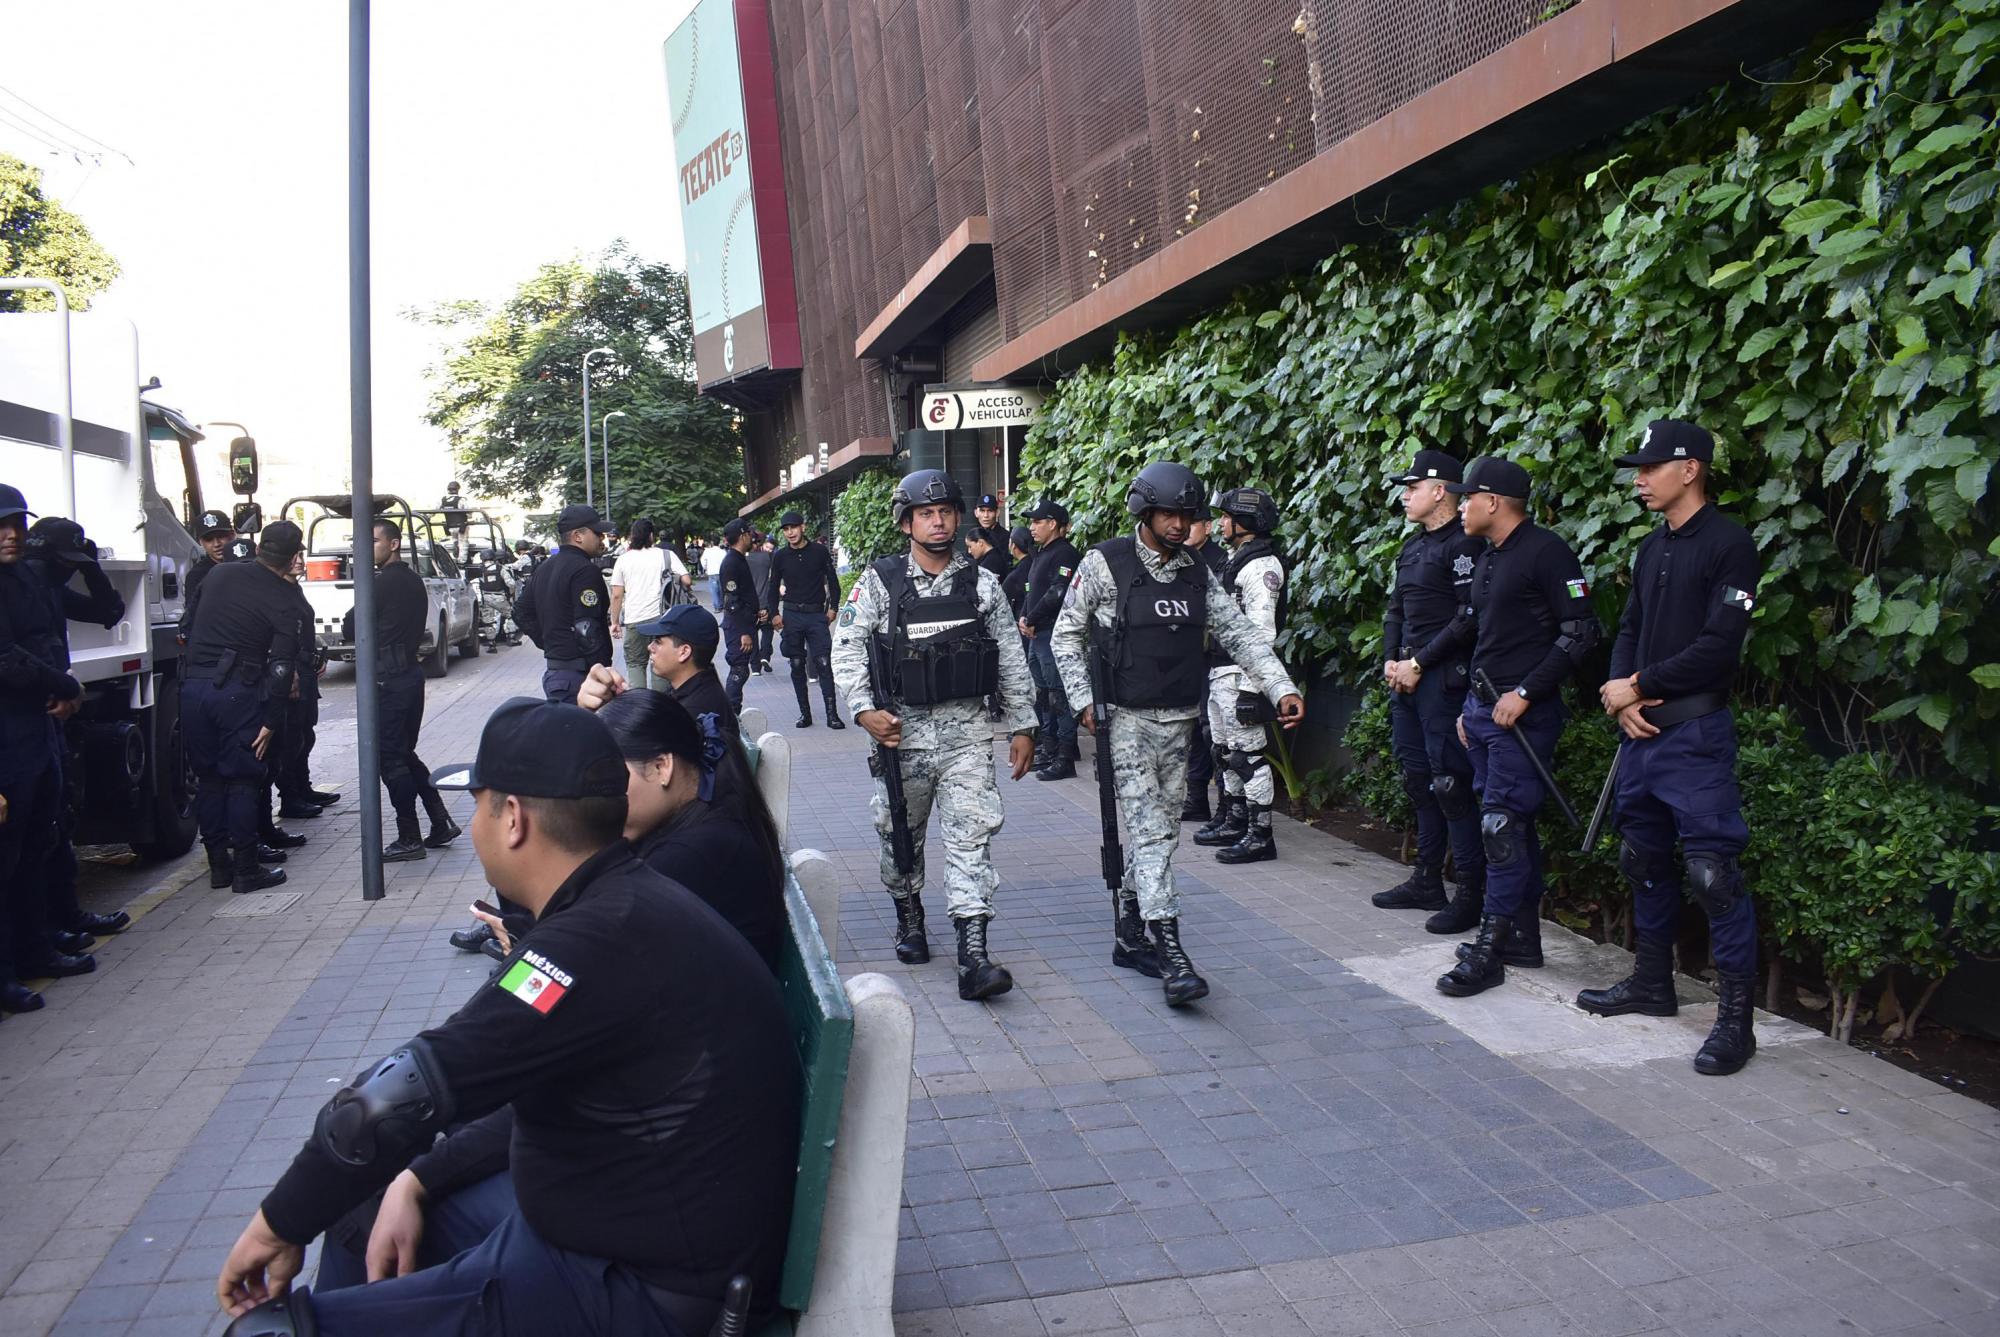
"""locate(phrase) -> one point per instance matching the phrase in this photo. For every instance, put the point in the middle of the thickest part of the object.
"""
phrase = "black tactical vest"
(1156, 648)
(936, 647)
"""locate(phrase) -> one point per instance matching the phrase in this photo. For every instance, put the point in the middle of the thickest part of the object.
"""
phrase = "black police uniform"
(627, 1110)
(296, 795)
(996, 559)
(803, 588)
(702, 693)
(1433, 582)
(1532, 627)
(738, 615)
(760, 577)
(243, 656)
(1051, 569)
(402, 616)
(1693, 589)
(566, 610)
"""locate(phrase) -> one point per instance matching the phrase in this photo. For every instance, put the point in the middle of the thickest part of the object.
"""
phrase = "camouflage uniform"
(947, 749)
(1257, 588)
(1149, 744)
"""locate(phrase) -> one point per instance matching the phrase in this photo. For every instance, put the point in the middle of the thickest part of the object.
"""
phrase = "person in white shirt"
(711, 566)
(639, 591)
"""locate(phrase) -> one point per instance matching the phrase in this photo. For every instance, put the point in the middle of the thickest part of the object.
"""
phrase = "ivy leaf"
(1810, 119)
(1758, 344)
(1972, 191)
(1987, 676)
(1269, 318)
(1733, 272)
(1948, 137)
(1970, 480)
(1814, 216)
(1935, 710)
(1846, 243)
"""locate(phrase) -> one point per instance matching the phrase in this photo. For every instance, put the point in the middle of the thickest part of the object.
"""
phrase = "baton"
(1488, 693)
(1596, 827)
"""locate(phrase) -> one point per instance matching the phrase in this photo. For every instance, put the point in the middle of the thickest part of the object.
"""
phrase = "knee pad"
(290, 1315)
(1454, 795)
(1712, 884)
(1242, 765)
(1638, 867)
(1417, 786)
(1500, 834)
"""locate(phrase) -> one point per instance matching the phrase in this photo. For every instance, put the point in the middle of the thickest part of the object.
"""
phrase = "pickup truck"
(329, 579)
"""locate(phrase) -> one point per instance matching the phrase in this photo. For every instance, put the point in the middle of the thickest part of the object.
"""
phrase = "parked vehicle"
(329, 582)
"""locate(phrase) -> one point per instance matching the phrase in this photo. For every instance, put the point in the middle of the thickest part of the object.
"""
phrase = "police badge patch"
(1272, 580)
(847, 617)
(588, 598)
(1461, 565)
(1736, 598)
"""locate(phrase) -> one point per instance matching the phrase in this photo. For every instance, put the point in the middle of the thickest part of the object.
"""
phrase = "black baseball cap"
(55, 539)
(580, 517)
(790, 518)
(1431, 466)
(1671, 439)
(1046, 509)
(12, 503)
(541, 749)
(734, 530)
(210, 523)
(1021, 538)
(987, 499)
(1495, 475)
(684, 622)
(281, 539)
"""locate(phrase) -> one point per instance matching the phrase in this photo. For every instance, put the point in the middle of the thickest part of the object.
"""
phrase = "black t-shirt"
(802, 579)
(1522, 593)
(739, 588)
(652, 1083)
(711, 849)
(402, 608)
(703, 694)
(567, 590)
(1015, 585)
(1692, 592)
(1433, 581)
(1053, 564)
(249, 609)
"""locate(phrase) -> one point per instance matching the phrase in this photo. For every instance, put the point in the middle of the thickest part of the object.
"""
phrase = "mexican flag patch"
(536, 981)
(1578, 589)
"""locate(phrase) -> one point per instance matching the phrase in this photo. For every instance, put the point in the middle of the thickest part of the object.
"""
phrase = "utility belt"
(393, 659)
(222, 666)
(932, 671)
(1684, 708)
(579, 665)
(787, 608)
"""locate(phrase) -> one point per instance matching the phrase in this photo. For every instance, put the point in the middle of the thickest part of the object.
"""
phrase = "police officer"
(1055, 562)
(565, 608)
(1428, 674)
(802, 597)
(990, 534)
(1679, 644)
(1532, 626)
(1201, 743)
(936, 627)
(301, 714)
(1020, 548)
(1146, 600)
(402, 616)
(1237, 708)
(213, 530)
(737, 610)
(243, 655)
(622, 1097)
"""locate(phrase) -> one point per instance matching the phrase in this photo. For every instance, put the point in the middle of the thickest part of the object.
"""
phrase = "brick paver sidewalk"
(1324, 1145)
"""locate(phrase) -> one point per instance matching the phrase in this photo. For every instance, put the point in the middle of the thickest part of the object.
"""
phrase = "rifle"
(1483, 688)
(889, 763)
(1113, 853)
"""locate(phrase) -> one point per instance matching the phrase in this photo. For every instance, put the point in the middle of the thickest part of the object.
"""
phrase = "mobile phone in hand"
(483, 907)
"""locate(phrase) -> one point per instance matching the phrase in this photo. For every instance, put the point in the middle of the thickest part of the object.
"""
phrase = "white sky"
(506, 133)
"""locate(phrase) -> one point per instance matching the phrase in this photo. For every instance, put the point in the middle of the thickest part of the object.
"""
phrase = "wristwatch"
(1521, 692)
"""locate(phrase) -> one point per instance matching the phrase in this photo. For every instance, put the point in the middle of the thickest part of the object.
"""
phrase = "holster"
(1254, 708)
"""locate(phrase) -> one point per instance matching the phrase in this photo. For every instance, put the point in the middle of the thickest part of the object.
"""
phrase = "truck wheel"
(469, 647)
(174, 825)
(438, 662)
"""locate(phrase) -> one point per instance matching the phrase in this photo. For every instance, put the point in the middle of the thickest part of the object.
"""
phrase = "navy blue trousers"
(220, 720)
(484, 1272)
(734, 629)
(1042, 667)
(1423, 728)
(1508, 784)
(806, 640)
(562, 684)
(1681, 786)
(27, 837)
(399, 723)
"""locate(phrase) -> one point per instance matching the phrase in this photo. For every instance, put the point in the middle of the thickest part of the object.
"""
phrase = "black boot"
(1524, 949)
(912, 948)
(1733, 1040)
(220, 872)
(102, 926)
(18, 997)
(1129, 947)
(409, 843)
(299, 809)
(833, 720)
(1229, 824)
(979, 975)
(473, 936)
(1462, 914)
(1481, 968)
(1177, 978)
(1423, 889)
(248, 874)
(71, 944)
(322, 798)
(443, 829)
(269, 853)
(280, 839)
(1648, 990)
(805, 719)
(1257, 844)
(1195, 808)
(60, 965)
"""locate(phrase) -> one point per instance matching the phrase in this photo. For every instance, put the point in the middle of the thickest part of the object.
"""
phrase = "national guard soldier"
(737, 610)
(1532, 627)
(493, 576)
(1201, 743)
(243, 654)
(565, 607)
(1678, 648)
(801, 599)
(1146, 601)
(1055, 563)
(402, 616)
(1428, 675)
(923, 640)
(1237, 705)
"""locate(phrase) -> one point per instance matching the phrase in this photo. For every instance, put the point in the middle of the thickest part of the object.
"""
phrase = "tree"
(509, 394)
(40, 239)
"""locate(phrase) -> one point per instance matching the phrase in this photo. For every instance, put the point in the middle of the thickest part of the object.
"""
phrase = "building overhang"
(1593, 69)
(954, 269)
(841, 465)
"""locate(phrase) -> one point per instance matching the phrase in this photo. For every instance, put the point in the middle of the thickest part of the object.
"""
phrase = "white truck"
(328, 521)
(128, 477)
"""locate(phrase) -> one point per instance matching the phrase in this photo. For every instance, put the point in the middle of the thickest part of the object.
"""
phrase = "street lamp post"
(588, 472)
(604, 436)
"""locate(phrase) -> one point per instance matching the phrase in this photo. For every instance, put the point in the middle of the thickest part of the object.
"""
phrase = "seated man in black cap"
(622, 1097)
(565, 607)
(803, 597)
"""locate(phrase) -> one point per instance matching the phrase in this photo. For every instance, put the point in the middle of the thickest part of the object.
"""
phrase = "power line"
(33, 133)
(81, 134)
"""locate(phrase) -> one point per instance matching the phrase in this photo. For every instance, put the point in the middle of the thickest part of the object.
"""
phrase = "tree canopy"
(509, 394)
(40, 239)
